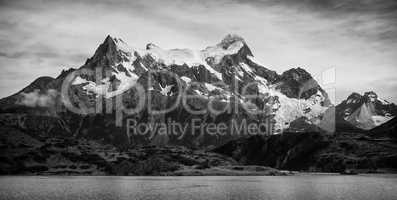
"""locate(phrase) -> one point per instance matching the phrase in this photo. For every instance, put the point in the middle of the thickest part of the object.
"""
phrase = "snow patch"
(246, 68)
(175, 56)
(379, 120)
(143, 66)
(261, 80)
(186, 79)
(126, 82)
(199, 92)
(210, 69)
(287, 109)
(166, 90)
(78, 80)
(180, 57)
(384, 102)
(218, 52)
(211, 87)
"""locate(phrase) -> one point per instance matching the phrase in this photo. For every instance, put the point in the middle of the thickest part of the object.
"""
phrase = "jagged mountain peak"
(354, 95)
(108, 44)
(297, 74)
(151, 46)
(366, 111)
(114, 50)
(111, 51)
(367, 97)
(369, 93)
(353, 98)
(65, 72)
(113, 40)
(230, 39)
(108, 39)
(370, 96)
(231, 46)
(298, 83)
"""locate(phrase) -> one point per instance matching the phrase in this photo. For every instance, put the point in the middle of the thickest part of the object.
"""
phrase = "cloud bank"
(36, 99)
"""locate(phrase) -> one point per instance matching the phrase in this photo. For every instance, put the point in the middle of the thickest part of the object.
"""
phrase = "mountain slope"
(312, 151)
(388, 129)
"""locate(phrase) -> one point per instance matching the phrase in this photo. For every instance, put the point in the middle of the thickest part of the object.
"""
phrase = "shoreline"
(237, 170)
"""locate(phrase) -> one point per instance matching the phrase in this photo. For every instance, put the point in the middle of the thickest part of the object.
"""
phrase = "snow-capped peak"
(116, 43)
(366, 111)
(370, 96)
(113, 50)
(173, 56)
(231, 39)
(353, 98)
(121, 45)
(151, 46)
(116, 50)
(230, 45)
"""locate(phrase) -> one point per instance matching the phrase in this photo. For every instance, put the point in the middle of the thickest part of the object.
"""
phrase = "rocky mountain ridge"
(366, 111)
(222, 74)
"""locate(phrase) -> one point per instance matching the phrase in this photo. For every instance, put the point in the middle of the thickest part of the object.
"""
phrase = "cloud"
(371, 19)
(36, 99)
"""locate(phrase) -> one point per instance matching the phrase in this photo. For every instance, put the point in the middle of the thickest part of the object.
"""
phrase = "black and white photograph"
(198, 99)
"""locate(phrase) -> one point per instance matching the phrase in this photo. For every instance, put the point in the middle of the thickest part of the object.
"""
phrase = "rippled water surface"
(305, 187)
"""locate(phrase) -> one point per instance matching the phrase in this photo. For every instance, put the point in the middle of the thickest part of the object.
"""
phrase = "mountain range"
(218, 74)
(225, 83)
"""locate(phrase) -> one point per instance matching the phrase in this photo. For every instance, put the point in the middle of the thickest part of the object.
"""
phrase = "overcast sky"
(356, 37)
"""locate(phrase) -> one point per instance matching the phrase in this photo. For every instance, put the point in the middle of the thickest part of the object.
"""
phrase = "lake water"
(305, 187)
